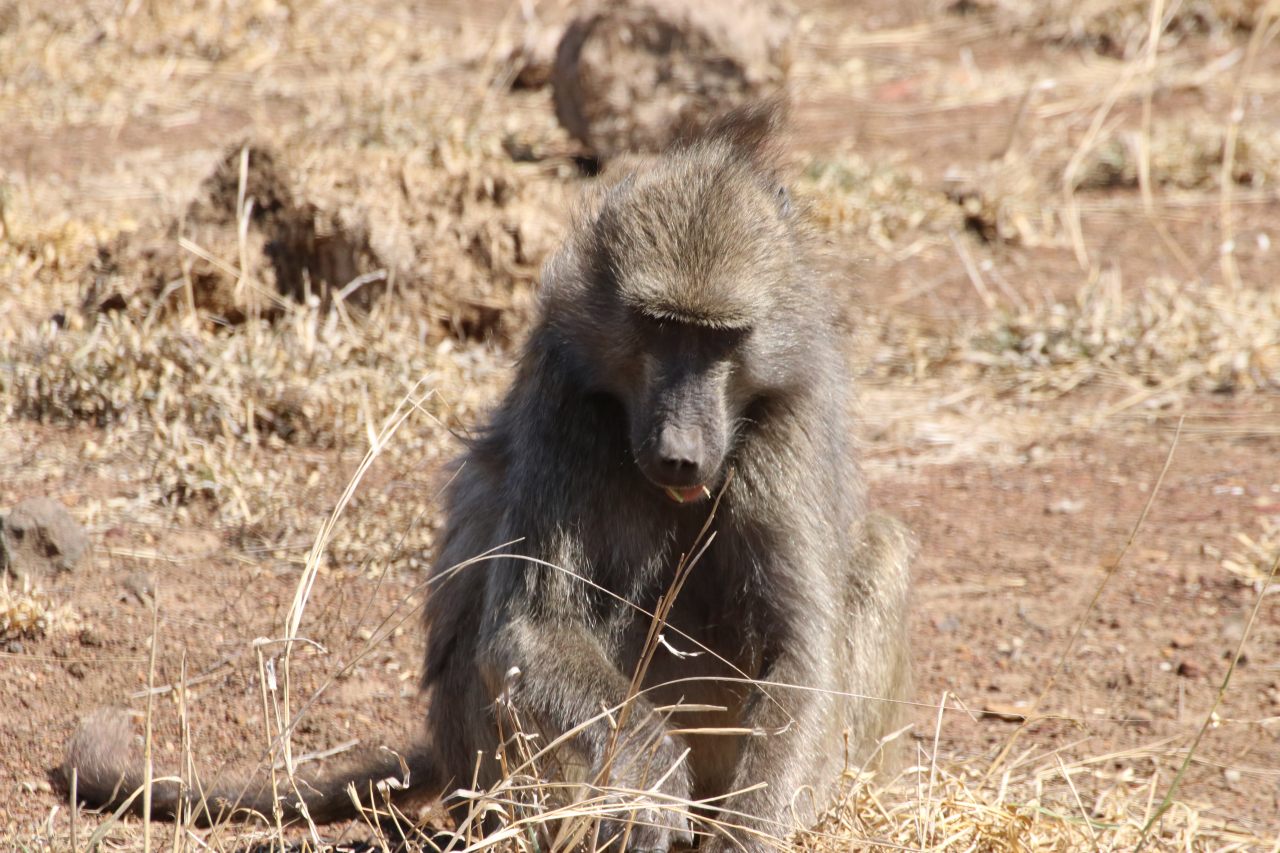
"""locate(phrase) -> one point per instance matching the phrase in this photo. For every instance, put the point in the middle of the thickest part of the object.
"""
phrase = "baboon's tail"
(108, 771)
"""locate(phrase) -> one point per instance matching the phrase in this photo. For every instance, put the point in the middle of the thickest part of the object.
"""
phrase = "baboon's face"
(683, 403)
(676, 299)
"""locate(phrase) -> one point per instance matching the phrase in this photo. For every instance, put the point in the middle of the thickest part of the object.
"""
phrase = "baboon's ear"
(753, 129)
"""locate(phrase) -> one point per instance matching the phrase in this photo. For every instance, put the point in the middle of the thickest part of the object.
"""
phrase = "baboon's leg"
(877, 667)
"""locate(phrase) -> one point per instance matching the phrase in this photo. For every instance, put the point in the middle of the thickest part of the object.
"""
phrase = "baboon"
(686, 375)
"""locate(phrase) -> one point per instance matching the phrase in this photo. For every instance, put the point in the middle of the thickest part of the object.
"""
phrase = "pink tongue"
(686, 495)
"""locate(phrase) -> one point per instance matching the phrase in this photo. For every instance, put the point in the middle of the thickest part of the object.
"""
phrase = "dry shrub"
(891, 204)
(886, 202)
(45, 257)
(1185, 155)
(27, 611)
(1005, 201)
(22, 614)
(1214, 338)
(1117, 27)
(1205, 337)
(219, 405)
(266, 383)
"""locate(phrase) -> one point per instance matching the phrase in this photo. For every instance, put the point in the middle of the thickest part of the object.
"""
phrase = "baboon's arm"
(566, 683)
(790, 727)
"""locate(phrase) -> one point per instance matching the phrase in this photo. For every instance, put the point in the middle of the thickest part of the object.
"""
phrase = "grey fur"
(684, 335)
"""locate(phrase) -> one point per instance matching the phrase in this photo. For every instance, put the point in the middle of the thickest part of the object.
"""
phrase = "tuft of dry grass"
(1170, 335)
(951, 809)
(1251, 564)
(27, 612)
(215, 405)
(1119, 27)
(22, 613)
(1185, 155)
(887, 203)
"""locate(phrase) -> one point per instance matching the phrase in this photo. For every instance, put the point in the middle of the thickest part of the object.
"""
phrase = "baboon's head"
(679, 295)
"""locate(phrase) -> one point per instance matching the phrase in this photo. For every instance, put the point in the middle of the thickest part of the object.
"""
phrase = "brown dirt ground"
(1016, 532)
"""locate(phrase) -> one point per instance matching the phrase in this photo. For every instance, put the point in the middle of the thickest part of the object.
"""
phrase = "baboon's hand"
(650, 830)
(653, 822)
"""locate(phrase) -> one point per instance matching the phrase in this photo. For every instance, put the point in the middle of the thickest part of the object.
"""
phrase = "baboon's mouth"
(688, 494)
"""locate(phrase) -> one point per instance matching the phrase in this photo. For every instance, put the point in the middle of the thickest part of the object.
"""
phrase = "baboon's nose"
(680, 454)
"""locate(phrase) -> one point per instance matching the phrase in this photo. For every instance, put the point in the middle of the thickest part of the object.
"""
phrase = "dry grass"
(215, 404)
(1257, 550)
(28, 612)
(1184, 155)
(888, 204)
(1170, 337)
(209, 409)
(1120, 26)
(962, 812)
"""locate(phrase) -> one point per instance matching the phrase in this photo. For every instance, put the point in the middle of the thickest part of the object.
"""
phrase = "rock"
(1138, 718)
(1190, 669)
(632, 75)
(1065, 506)
(141, 586)
(39, 538)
